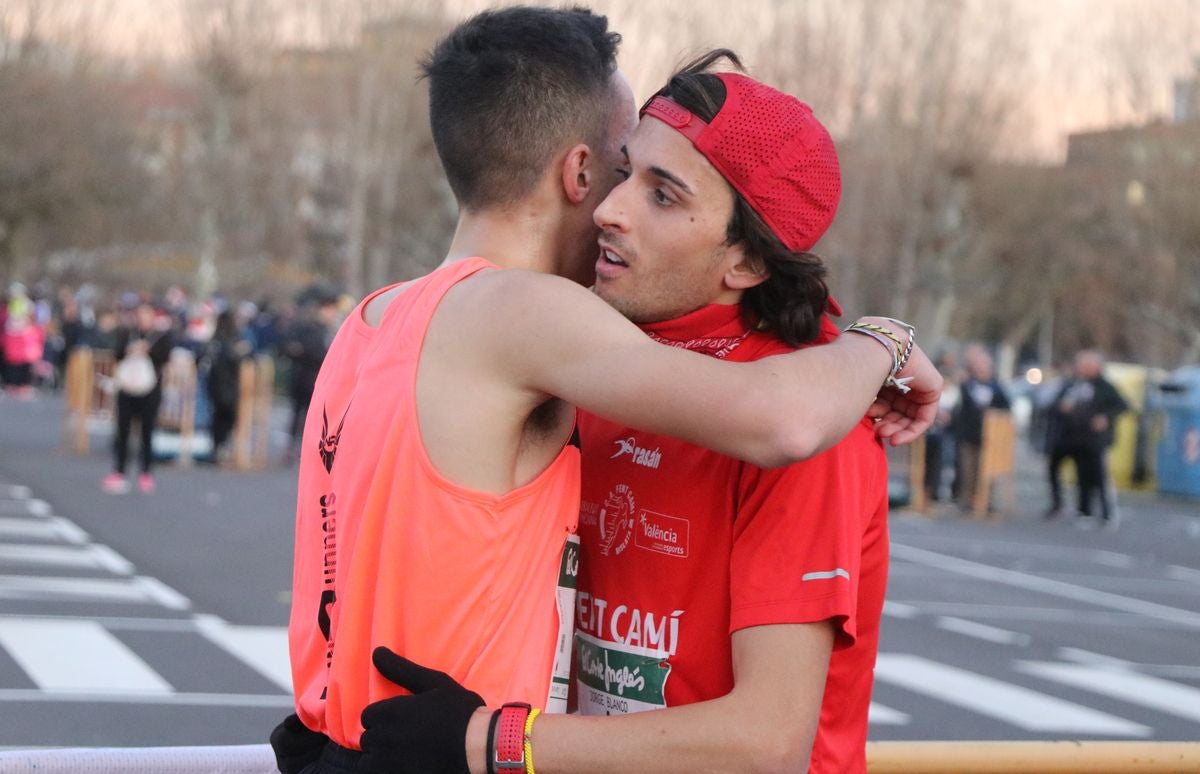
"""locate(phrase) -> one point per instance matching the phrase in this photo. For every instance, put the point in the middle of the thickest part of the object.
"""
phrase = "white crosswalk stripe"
(145, 591)
(880, 715)
(46, 528)
(262, 648)
(1153, 692)
(49, 555)
(1013, 704)
(77, 656)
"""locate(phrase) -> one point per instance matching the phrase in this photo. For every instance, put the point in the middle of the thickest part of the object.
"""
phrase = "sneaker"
(146, 483)
(114, 483)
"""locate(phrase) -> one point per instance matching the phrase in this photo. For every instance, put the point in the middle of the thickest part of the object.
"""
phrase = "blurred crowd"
(42, 325)
(1071, 415)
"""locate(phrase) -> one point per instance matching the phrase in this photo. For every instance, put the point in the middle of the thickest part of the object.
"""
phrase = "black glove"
(296, 746)
(424, 733)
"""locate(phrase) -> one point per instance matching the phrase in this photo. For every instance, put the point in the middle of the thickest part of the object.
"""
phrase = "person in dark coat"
(223, 357)
(1084, 421)
(305, 343)
(979, 392)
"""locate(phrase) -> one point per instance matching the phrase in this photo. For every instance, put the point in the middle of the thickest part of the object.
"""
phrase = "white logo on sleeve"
(647, 458)
(837, 572)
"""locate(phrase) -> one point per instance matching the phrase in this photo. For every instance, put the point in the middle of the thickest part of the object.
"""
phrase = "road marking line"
(1153, 692)
(1023, 580)
(161, 593)
(1183, 573)
(111, 560)
(899, 609)
(36, 508)
(18, 695)
(262, 648)
(27, 528)
(1037, 550)
(981, 631)
(880, 715)
(16, 492)
(68, 530)
(78, 657)
(1088, 658)
(1012, 704)
(97, 557)
(89, 589)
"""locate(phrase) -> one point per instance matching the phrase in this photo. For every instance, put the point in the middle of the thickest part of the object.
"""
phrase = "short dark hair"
(790, 301)
(509, 88)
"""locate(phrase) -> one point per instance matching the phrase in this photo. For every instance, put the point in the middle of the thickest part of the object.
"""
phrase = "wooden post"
(265, 375)
(996, 457)
(244, 428)
(917, 499)
(80, 378)
(187, 407)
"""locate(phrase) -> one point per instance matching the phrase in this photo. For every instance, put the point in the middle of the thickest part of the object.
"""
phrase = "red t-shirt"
(682, 546)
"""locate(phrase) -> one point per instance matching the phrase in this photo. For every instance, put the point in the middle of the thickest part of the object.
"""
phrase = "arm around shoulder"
(556, 338)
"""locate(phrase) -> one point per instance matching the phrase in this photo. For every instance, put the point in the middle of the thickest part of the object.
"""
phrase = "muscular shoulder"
(514, 292)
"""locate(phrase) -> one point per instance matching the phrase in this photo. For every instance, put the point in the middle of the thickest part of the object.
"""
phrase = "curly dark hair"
(789, 303)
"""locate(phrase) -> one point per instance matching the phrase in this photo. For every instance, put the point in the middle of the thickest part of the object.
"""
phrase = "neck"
(520, 237)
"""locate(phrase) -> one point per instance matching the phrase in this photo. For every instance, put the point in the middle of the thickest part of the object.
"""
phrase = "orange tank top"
(389, 552)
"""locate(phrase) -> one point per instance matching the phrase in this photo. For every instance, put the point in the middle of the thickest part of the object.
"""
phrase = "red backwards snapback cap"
(772, 150)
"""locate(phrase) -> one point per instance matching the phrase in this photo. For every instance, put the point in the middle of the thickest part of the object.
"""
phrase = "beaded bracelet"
(889, 340)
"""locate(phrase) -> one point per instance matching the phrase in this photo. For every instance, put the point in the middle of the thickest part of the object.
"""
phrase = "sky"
(1089, 61)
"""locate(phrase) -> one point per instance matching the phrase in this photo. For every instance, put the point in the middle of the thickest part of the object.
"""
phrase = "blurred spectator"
(146, 344)
(1084, 419)
(979, 392)
(72, 331)
(263, 329)
(223, 362)
(939, 441)
(24, 342)
(1042, 409)
(305, 343)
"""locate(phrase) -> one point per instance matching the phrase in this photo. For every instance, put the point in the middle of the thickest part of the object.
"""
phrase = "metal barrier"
(1032, 757)
(238, 759)
(90, 394)
(996, 466)
(882, 758)
(251, 436)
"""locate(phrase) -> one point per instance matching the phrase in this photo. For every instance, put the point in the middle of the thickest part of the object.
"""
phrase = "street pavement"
(159, 619)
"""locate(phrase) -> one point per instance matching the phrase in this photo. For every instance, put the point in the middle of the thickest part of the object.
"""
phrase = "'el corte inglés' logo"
(647, 458)
(614, 681)
(616, 521)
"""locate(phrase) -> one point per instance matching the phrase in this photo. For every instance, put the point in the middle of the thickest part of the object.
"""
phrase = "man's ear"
(745, 273)
(577, 173)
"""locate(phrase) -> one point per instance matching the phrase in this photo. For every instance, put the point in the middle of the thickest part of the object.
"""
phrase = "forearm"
(717, 736)
(809, 400)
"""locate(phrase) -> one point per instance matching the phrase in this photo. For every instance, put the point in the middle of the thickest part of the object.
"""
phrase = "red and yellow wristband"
(509, 746)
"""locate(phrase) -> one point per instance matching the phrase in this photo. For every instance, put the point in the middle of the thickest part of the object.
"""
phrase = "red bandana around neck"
(714, 330)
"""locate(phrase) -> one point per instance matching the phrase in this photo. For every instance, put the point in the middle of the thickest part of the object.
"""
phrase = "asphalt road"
(159, 619)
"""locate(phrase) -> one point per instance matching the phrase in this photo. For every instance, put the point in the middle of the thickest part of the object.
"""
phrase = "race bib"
(568, 573)
(614, 679)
